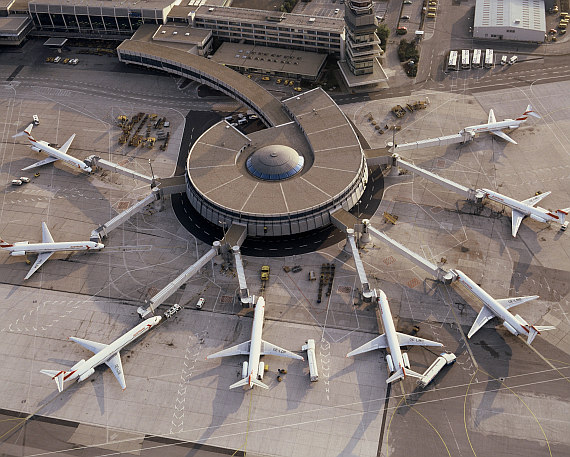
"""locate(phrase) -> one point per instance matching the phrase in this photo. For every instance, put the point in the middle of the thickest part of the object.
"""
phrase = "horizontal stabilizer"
(408, 340)
(531, 112)
(240, 349)
(380, 342)
(245, 382)
(40, 163)
(92, 346)
(57, 376)
(27, 131)
(510, 302)
(271, 349)
(402, 373)
(535, 330)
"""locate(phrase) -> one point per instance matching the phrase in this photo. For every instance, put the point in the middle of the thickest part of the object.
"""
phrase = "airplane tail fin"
(402, 373)
(27, 131)
(562, 213)
(4, 244)
(530, 112)
(245, 382)
(57, 376)
(535, 330)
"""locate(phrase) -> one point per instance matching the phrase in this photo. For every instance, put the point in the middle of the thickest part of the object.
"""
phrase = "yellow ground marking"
(516, 395)
(247, 427)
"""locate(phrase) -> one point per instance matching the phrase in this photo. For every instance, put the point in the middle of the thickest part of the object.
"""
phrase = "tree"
(383, 32)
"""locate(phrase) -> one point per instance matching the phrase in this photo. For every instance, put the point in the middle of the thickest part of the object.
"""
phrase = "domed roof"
(274, 162)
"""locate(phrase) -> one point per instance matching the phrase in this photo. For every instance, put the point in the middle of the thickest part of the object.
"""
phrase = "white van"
(36, 119)
(200, 303)
(513, 59)
(504, 60)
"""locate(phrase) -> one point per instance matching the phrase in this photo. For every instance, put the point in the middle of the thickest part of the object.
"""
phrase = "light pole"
(152, 184)
(223, 227)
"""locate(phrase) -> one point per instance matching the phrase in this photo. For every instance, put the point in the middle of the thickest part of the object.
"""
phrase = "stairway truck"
(443, 360)
(313, 371)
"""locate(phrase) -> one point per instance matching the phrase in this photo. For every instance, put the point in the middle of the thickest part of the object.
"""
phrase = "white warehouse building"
(513, 20)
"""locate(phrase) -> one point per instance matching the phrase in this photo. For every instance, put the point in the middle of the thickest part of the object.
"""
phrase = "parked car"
(405, 18)
(504, 60)
(200, 303)
(16, 182)
(24, 179)
(402, 30)
(513, 59)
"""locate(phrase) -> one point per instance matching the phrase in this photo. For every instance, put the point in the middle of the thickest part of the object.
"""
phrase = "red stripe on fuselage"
(68, 374)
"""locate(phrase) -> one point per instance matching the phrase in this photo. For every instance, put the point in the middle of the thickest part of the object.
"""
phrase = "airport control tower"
(362, 44)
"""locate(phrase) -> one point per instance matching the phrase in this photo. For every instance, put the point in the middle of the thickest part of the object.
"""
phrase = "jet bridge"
(439, 273)
(469, 194)
(366, 292)
(106, 165)
(184, 277)
(245, 298)
(103, 231)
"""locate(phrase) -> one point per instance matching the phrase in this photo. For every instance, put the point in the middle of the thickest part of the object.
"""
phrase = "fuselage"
(105, 354)
(506, 124)
(255, 344)
(538, 212)
(20, 247)
(75, 163)
(495, 307)
(390, 332)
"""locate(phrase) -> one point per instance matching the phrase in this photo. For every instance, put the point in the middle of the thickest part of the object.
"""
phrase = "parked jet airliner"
(46, 248)
(398, 362)
(54, 153)
(252, 371)
(496, 128)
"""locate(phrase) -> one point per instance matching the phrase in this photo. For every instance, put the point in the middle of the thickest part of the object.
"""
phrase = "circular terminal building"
(284, 180)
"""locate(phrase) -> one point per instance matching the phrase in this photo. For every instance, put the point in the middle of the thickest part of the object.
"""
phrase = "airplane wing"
(46, 235)
(92, 346)
(534, 200)
(510, 302)
(66, 145)
(271, 349)
(240, 349)
(408, 340)
(483, 317)
(502, 135)
(40, 163)
(517, 218)
(491, 119)
(379, 342)
(42, 257)
(114, 363)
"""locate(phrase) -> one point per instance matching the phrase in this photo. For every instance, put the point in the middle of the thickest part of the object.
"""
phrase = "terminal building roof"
(332, 160)
(269, 59)
(525, 14)
(266, 102)
(276, 19)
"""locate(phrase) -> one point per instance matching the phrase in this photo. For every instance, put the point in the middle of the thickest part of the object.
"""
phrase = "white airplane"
(500, 308)
(54, 154)
(252, 371)
(522, 209)
(398, 362)
(104, 353)
(46, 248)
(496, 128)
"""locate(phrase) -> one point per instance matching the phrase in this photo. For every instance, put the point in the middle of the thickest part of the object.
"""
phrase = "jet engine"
(261, 371)
(537, 218)
(18, 253)
(244, 370)
(510, 328)
(85, 375)
(390, 363)
(406, 360)
(513, 127)
(33, 148)
(22, 252)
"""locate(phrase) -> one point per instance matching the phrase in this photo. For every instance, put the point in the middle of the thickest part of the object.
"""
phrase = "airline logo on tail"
(4, 244)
